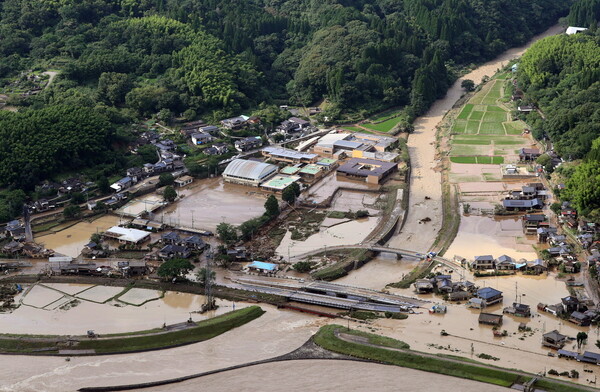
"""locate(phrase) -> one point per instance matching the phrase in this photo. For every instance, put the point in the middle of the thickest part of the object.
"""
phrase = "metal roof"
(249, 169)
(263, 266)
(287, 153)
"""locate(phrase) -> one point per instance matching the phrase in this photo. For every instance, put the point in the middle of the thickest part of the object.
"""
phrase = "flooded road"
(328, 375)
(211, 202)
(425, 180)
(71, 241)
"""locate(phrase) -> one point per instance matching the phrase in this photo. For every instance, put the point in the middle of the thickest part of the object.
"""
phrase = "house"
(489, 295)
(235, 122)
(531, 222)
(148, 168)
(574, 30)
(570, 304)
(165, 145)
(136, 173)
(505, 262)
(519, 310)
(561, 250)
(201, 138)
(183, 181)
(170, 238)
(521, 205)
(536, 266)
(174, 251)
(262, 267)
(529, 154)
(122, 184)
(194, 242)
(543, 233)
(526, 108)
(476, 303)
(490, 319)
(423, 286)
(556, 239)
(554, 339)
(248, 143)
(237, 253)
(585, 239)
(125, 235)
(589, 357)
(484, 262)
(210, 129)
(132, 268)
(12, 248)
(15, 229)
(217, 149)
(459, 296)
(581, 319)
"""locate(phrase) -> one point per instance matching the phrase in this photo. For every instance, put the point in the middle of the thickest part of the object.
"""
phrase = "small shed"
(476, 303)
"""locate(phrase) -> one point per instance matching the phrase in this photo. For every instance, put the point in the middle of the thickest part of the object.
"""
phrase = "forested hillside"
(561, 74)
(120, 61)
(226, 55)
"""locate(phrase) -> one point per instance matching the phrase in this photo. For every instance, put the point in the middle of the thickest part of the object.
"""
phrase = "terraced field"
(483, 132)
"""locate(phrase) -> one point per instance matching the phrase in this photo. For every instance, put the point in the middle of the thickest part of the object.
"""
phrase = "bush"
(303, 266)
(553, 372)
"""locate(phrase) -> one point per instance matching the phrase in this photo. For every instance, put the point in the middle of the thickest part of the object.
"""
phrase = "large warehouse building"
(244, 172)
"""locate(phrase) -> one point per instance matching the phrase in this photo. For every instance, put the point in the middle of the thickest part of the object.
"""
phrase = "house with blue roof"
(489, 295)
(262, 267)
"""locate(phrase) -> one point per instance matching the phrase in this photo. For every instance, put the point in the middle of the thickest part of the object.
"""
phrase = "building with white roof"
(574, 30)
(244, 172)
(125, 235)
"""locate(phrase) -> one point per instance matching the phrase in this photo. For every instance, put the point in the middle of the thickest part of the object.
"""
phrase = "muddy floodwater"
(70, 241)
(380, 271)
(43, 311)
(425, 177)
(483, 235)
(349, 233)
(328, 375)
(212, 201)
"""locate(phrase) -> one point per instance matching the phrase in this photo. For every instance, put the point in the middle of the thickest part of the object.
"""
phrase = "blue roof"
(488, 292)
(262, 265)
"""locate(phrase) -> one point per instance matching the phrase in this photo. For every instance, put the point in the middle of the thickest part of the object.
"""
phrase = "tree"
(543, 160)
(71, 211)
(468, 85)
(166, 179)
(289, 195)
(77, 198)
(227, 233)
(296, 188)
(303, 266)
(148, 153)
(203, 276)
(272, 206)
(113, 86)
(174, 268)
(103, 185)
(556, 208)
(581, 338)
(96, 237)
(169, 194)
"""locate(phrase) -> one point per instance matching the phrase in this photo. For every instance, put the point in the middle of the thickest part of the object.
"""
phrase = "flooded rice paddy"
(211, 202)
(71, 241)
(73, 309)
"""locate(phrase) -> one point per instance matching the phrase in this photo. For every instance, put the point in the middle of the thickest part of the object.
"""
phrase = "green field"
(494, 116)
(464, 114)
(353, 129)
(493, 160)
(385, 126)
(476, 115)
(472, 126)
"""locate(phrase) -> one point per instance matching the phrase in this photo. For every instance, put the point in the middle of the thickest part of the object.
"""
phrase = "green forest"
(561, 75)
(119, 62)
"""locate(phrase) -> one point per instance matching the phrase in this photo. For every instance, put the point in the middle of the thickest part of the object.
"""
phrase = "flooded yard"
(71, 241)
(211, 202)
(349, 233)
(483, 235)
(328, 185)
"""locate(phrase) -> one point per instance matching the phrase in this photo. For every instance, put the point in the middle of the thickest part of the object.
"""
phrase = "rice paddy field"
(484, 132)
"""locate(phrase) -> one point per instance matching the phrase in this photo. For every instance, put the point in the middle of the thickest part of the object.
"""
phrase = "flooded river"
(425, 180)
(71, 241)
(326, 375)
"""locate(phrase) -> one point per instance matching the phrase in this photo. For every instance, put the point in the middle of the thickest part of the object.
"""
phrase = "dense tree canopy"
(36, 143)
(562, 75)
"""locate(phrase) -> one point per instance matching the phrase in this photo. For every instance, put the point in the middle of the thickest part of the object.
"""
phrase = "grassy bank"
(341, 268)
(326, 338)
(203, 330)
